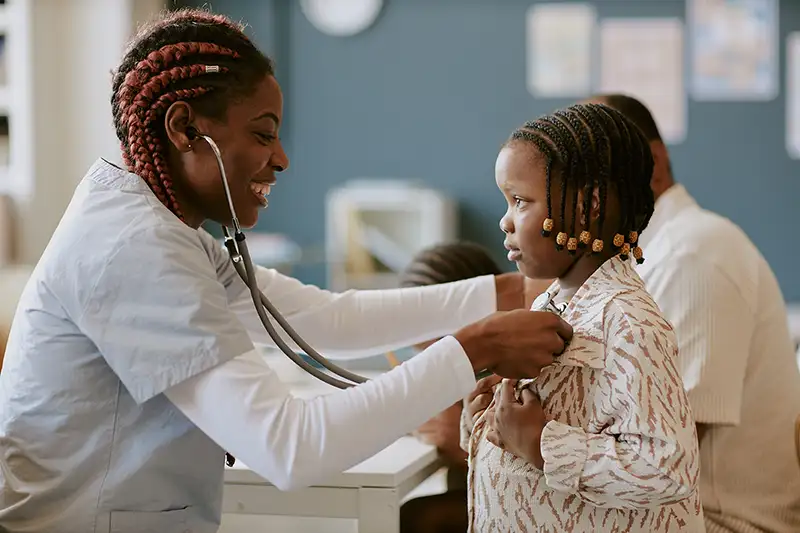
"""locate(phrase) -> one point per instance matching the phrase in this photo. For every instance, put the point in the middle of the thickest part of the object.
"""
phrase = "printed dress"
(620, 451)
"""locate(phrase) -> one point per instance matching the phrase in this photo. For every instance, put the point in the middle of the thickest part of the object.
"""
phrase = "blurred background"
(395, 110)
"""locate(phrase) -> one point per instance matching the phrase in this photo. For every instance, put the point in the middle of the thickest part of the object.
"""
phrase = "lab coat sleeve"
(292, 442)
(714, 324)
(158, 313)
(647, 456)
(363, 323)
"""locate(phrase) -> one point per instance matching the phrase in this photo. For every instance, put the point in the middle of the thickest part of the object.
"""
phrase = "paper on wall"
(734, 49)
(793, 95)
(644, 59)
(559, 49)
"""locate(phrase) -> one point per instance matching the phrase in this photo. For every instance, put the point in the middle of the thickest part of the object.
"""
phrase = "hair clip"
(584, 239)
(619, 240)
(638, 255)
(597, 246)
(547, 227)
(212, 69)
(633, 238)
(625, 253)
(572, 245)
(561, 241)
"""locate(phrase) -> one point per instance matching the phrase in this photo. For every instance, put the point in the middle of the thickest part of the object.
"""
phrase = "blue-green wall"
(435, 86)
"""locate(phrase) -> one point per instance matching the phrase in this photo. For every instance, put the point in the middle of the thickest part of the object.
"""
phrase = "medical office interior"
(394, 114)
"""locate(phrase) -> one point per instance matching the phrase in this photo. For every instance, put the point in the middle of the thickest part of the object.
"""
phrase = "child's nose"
(506, 224)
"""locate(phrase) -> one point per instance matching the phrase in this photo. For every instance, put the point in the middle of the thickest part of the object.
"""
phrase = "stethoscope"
(242, 262)
(546, 302)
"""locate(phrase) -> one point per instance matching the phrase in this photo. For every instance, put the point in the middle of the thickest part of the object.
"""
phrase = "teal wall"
(435, 86)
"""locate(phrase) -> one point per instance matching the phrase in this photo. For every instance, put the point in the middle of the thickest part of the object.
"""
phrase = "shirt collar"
(585, 311)
(668, 206)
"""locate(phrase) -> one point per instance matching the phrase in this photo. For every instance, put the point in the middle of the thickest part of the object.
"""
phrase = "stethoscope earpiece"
(191, 133)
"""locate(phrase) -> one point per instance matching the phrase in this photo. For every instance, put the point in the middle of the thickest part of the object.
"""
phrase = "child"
(603, 439)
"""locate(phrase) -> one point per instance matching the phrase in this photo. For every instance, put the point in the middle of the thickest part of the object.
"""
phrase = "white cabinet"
(374, 227)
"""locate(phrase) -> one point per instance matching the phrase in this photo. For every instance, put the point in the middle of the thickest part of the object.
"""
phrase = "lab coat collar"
(111, 176)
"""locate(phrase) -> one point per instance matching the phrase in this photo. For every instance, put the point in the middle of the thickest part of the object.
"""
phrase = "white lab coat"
(128, 303)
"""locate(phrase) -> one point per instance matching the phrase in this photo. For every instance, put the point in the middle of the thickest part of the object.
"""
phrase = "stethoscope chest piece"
(545, 302)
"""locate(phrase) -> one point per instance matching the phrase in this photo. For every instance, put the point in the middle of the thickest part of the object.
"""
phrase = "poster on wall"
(734, 49)
(559, 41)
(793, 95)
(644, 58)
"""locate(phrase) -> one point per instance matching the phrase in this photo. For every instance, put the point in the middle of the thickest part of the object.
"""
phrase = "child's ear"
(594, 205)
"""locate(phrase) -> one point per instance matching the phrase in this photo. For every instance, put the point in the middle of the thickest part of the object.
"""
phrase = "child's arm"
(648, 454)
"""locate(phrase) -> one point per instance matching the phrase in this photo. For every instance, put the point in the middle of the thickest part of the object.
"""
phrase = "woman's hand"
(515, 344)
(443, 431)
(517, 426)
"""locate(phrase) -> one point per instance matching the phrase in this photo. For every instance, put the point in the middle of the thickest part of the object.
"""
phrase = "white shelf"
(374, 228)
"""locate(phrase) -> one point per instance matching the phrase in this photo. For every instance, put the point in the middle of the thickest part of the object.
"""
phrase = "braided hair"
(448, 262)
(592, 146)
(188, 54)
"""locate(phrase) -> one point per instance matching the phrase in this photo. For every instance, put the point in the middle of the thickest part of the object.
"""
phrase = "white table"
(370, 492)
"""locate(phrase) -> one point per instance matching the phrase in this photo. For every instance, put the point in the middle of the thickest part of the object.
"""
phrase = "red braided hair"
(167, 62)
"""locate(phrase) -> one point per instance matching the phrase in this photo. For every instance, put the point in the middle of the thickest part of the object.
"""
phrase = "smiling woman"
(131, 366)
(171, 80)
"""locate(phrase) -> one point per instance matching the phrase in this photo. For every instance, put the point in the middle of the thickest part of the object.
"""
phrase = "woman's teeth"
(261, 190)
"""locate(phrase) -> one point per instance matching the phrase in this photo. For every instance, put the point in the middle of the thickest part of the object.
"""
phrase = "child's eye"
(518, 202)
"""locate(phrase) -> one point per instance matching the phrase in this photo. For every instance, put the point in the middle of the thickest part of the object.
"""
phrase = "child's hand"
(480, 398)
(517, 426)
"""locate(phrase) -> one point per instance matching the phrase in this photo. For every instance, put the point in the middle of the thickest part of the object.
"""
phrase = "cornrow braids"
(188, 54)
(593, 146)
(448, 262)
(548, 149)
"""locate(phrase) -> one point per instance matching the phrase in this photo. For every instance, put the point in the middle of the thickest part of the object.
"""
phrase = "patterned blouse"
(620, 451)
